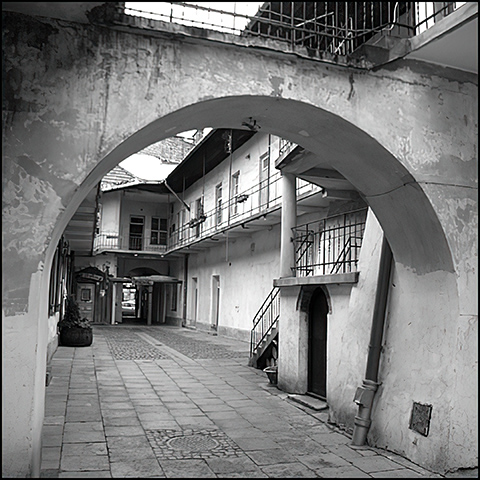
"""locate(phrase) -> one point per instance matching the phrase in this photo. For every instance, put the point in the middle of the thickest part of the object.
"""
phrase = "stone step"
(308, 401)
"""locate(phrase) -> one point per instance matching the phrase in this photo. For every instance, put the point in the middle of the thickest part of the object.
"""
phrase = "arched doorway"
(317, 344)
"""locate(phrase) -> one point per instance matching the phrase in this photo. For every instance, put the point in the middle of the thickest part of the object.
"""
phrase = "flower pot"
(272, 374)
(76, 337)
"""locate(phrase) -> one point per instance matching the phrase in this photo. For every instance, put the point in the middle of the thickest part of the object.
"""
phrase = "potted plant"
(74, 330)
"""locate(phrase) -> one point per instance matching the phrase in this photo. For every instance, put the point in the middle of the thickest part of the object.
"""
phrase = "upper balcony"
(255, 208)
(133, 245)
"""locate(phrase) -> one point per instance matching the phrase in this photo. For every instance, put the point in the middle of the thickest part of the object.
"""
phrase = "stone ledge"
(307, 401)
(339, 278)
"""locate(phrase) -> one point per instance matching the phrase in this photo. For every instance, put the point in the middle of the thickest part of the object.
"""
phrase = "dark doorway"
(317, 344)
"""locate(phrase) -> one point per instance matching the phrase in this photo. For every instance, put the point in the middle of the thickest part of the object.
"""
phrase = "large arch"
(414, 231)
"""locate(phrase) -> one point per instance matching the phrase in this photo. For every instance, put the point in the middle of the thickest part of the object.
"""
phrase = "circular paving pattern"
(193, 443)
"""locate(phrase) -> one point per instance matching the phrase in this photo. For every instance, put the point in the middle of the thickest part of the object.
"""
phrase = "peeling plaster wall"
(73, 93)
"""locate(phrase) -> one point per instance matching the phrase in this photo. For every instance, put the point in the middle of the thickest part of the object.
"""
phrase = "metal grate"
(420, 418)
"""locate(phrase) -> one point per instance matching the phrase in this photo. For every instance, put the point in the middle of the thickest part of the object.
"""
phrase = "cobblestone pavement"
(170, 402)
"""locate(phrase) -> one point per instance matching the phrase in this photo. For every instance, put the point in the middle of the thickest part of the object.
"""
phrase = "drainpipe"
(365, 394)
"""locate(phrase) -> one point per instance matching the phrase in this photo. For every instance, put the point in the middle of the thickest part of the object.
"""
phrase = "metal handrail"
(265, 319)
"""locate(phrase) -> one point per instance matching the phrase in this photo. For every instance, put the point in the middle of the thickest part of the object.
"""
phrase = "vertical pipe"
(365, 395)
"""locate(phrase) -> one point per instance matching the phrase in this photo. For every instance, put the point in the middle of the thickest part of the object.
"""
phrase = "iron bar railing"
(329, 246)
(338, 28)
(304, 252)
(114, 242)
(258, 200)
(265, 320)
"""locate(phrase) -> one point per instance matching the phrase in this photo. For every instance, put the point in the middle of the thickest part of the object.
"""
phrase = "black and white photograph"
(240, 240)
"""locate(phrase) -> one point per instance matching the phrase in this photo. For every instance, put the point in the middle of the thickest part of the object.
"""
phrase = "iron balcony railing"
(114, 242)
(265, 320)
(255, 201)
(329, 246)
(338, 28)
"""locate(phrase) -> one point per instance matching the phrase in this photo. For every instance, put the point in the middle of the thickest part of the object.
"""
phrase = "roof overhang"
(151, 279)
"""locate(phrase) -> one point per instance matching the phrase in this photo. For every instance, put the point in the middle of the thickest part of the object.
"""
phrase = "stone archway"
(375, 172)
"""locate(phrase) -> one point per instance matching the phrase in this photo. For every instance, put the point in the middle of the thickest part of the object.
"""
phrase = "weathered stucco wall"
(246, 271)
(79, 99)
(422, 341)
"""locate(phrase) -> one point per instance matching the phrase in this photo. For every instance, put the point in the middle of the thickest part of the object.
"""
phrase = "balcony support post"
(150, 304)
(289, 221)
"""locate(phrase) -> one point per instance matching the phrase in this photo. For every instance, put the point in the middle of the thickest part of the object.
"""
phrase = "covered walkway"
(164, 401)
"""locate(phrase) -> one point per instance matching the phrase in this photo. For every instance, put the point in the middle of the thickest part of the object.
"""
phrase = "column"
(289, 220)
(150, 304)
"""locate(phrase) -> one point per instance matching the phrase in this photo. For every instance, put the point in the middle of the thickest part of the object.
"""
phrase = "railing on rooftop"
(329, 246)
(338, 28)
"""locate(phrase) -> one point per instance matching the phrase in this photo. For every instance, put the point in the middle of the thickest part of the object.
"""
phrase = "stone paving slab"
(288, 470)
(167, 402)
(78, 463)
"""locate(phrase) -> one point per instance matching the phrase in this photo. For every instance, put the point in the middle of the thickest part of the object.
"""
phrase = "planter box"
(76, 337)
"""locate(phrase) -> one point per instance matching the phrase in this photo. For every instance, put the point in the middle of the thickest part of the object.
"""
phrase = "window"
(85, 295)
(199, 208)
(218, 204)
(264, 161)
(181, 223)
(136, 233)
(234, 193)
(198, 215)
(158, 235)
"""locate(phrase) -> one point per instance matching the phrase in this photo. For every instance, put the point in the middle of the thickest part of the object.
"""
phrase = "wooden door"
(317, 345)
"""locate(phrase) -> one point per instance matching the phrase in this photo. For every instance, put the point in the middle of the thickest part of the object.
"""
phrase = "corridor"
(173, 402)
